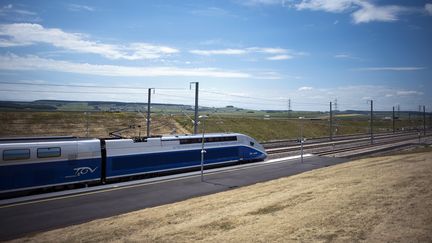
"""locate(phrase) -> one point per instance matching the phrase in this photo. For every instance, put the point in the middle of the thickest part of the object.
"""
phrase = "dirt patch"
(386, 199)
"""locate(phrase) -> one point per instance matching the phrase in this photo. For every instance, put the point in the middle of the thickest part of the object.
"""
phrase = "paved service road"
(25, 218)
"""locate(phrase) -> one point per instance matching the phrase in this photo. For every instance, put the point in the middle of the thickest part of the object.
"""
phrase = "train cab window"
(16, 154)
(48, 152)
(252, 144)
(232, 138)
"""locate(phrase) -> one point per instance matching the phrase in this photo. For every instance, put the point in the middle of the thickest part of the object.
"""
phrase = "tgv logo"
(82, 171)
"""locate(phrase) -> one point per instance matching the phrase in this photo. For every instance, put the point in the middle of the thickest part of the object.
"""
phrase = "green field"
(278, 128)
(98, 119)
(263, 128)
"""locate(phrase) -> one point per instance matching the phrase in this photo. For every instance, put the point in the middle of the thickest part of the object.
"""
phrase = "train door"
(71, 151)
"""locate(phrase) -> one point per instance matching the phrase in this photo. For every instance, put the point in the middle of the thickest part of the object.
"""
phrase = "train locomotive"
(32, 163)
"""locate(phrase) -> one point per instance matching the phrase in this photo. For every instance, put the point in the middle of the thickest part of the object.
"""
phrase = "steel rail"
(381, 139)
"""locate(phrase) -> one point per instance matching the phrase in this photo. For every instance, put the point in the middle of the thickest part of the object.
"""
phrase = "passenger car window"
(48, 152)
(208, 140)
(16, 154)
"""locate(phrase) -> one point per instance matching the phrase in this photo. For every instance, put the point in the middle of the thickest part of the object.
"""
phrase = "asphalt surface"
(30, 217)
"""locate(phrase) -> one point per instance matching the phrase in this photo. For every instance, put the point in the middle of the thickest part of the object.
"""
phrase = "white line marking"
(287, 158)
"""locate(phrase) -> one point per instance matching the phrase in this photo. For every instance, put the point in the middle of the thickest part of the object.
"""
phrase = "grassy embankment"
(385, 199)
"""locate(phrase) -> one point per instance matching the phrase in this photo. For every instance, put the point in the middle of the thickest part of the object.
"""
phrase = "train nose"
(263, 156)
(259, 155)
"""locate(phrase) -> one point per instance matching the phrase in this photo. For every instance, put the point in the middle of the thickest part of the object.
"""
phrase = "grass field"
(100, 124)
(277, 128)
(384, 199)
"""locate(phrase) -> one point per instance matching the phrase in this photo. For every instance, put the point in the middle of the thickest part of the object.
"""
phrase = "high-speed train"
(31, 163)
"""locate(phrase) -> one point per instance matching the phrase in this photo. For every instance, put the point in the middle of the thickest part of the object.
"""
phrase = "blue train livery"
(30, 163)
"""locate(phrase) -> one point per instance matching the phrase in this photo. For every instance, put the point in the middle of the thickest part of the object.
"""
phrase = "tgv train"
(31, 163)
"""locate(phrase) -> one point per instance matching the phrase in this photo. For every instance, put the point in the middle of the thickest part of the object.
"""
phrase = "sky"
(255, 54)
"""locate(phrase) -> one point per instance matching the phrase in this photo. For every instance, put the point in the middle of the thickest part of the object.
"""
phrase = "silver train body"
(30, 163)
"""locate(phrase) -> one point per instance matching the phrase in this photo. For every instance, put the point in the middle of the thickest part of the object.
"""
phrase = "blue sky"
(250, 53)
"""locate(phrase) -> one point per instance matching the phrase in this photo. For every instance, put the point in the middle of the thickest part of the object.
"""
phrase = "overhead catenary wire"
(116, 93)
(279, 103)
(185, 98)
(162, 88)
(275, 101)
(228, 101)
(221, 123)
(168, 121)
(216, 96)
(257, 101)
(278, 100)
(241, 96)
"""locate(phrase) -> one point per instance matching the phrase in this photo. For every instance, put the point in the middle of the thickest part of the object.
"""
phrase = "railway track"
(306, 145)
(354, 148)
(326, 148)
(282, 143)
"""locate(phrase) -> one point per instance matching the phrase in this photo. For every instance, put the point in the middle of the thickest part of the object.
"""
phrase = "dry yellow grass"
(100, 124)
(387, 199)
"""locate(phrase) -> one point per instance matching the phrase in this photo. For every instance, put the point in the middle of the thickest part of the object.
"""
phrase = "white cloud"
(268, 50)
(11, 9)
(262, 2)
(334, 6)
(390, 69)
(11, 13)
(342, 56)
(280, 57)
(276, 52)
(428, 8)
(305, 88)
(29, 34)
(79, 7)
(347, 56)
(30, 63)
(354, 97)
(408, 92)
(362, 11)
(11, 43)
(219, 52)
(369, 13)
(212, 12)
(147, 51)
